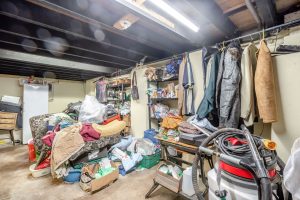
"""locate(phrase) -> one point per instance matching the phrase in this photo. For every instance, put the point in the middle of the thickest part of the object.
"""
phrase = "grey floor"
(16, 182)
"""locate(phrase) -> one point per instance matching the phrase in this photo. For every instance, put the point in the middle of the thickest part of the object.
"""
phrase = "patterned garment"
(97, 144)
(38, 125)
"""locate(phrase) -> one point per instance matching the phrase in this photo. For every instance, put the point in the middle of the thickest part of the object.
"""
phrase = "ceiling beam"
(77, 35)
(210, 10)
(67, 12)
(141, 12)
(43, 60)
(238, 8)
(267, 12)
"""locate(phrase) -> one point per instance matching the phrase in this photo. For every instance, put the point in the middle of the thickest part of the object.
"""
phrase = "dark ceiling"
(82, 31)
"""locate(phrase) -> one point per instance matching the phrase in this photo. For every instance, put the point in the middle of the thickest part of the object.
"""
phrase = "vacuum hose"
(261, 179)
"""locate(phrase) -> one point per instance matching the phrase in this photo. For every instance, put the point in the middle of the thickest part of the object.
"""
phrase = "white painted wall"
(65, 92)
(287, 72)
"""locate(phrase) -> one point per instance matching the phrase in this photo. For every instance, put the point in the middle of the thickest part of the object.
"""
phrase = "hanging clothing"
(248, 66)
(206, 54)
(265, 86)
(208, 102)
(230, 104)
(101, 93)
(188, 85)
(219, 79)
(180, 94)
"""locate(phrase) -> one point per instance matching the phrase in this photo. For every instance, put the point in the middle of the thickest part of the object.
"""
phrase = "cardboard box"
(97, 184)
(168, 181)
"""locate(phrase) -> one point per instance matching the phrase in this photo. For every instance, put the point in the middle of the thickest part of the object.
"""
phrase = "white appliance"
(35, 102)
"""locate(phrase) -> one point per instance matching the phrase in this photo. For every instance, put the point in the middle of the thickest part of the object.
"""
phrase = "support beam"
(210, 10)
(67, 12)
(267, 12)
(43, 60)
(141, 12)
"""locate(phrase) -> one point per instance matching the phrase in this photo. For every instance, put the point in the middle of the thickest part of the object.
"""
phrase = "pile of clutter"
(170, 91)
(89, 149)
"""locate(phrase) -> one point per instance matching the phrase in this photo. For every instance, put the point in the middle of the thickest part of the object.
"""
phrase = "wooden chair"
(8, 123)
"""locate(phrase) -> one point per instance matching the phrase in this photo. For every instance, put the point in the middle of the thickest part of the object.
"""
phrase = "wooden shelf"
(163, 99)
(175, 78)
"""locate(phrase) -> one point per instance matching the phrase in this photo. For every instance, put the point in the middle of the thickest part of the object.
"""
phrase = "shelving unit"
(151, 100)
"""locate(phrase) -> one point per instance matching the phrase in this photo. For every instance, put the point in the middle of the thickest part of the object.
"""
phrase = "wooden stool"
(8, 123)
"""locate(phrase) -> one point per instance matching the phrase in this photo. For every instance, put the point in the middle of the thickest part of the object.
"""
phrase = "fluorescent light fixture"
(175, 14)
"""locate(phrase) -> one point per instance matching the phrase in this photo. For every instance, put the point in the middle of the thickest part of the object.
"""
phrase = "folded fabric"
(88, 133)
(185, 124)
(171, 122)
(112, 128)
(187, 130)
(48, 139)
(66, 143)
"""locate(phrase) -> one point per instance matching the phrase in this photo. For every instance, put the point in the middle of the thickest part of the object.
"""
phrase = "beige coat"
(265, 86)
(180, 87)
(248, 66)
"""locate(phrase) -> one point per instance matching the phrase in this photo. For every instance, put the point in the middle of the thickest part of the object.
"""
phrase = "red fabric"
(88, 133)
(241, 172)
(236, 141)
(48, 139)
(117, 117)
(45, 163)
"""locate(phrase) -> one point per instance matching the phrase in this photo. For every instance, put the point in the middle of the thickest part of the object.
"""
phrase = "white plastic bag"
(91, 111)
(291, 175)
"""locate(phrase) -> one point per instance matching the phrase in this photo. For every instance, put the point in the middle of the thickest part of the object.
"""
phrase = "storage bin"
(73, 176)
(150, 161)
(150, 134)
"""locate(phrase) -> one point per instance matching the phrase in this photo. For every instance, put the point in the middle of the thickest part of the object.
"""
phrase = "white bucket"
(39, 172)
(187, 183)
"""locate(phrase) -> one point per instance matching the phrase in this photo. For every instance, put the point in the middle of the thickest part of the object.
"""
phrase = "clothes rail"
(278, 27)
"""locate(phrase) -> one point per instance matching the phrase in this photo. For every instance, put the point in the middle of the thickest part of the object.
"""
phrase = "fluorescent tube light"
(175, 14)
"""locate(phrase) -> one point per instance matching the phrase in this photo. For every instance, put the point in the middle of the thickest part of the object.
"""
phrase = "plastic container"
(39, 172)
(150, 134)
(187, 183)
(31, 151)
(73, 176)
(150, 161)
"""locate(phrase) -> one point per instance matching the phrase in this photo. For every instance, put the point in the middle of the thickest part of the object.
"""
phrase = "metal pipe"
(253, 12)
(278, 27)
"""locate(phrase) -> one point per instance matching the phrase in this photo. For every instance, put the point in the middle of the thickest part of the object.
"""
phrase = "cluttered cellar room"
(149, 99)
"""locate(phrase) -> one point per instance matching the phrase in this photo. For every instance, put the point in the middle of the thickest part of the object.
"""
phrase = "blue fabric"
(208, 102)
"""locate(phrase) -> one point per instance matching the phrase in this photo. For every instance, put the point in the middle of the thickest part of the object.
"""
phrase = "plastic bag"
(91, 111)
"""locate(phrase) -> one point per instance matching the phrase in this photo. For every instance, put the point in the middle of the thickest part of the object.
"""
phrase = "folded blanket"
(66, 143)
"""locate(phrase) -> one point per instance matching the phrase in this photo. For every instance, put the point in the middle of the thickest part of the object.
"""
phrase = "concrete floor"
(16, 182)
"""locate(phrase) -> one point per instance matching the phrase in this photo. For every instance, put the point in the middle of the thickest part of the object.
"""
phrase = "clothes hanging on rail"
(206, 54)
(188, 85)
(230, 107)
(248, 66)
(180, 94)
(208, 102)
(101, 91)
(265, 86)
(219, 80)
